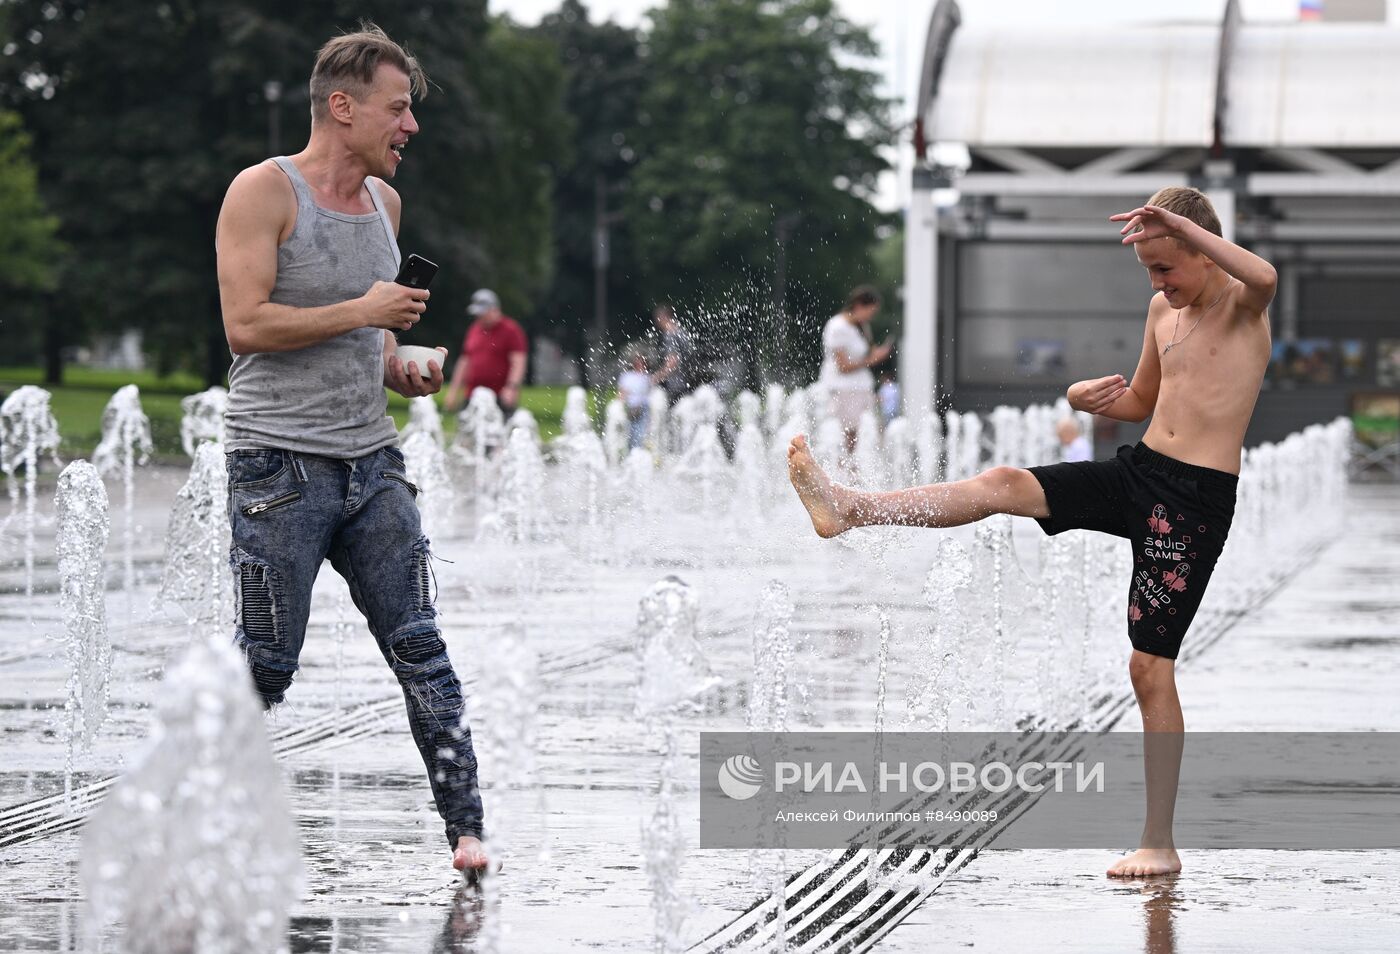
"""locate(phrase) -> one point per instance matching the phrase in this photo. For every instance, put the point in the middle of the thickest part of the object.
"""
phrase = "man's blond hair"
(1190, 204)
(347, 63)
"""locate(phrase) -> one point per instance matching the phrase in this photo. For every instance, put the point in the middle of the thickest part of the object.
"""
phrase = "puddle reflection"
(464, 922)
(1160, 903)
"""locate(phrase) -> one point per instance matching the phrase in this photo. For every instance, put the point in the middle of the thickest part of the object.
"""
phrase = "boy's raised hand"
(1149, 222)
(1097, 394)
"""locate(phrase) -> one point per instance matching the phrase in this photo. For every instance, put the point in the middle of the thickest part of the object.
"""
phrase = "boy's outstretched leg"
(1154, 683)
(834, 509)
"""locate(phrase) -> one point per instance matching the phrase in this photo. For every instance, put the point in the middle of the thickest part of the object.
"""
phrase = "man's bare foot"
(1146, 862)
(826, 503)
(471, 858)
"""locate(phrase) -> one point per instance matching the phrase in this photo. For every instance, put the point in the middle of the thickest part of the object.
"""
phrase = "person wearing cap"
(494, 354)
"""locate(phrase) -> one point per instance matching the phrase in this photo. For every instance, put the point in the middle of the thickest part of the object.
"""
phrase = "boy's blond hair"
(1190, 204)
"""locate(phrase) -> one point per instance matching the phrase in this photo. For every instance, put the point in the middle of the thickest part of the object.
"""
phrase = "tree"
(604, 78)
(142, 115)
(29, 248)
(760, 143)
(526, 135)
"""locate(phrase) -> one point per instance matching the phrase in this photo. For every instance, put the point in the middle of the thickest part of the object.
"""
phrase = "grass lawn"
(78, 404)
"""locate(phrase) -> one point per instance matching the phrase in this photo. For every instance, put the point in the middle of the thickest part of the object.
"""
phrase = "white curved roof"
(1333, 85)
(1141, 86)
(1330, 85)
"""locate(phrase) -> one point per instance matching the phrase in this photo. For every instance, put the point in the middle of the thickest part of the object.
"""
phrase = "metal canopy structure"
(1292, 129)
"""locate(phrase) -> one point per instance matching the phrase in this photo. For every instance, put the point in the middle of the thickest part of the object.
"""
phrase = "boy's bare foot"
(826, 502)
(471, 858)
(1146, 862)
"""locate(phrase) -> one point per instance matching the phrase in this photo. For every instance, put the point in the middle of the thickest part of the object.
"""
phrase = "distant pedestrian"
(845, 373)
(634, 388)
(677, 353)
(1074, 446)
(495, 353)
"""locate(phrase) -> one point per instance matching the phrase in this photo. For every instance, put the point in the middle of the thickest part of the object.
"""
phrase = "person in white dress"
(847, 359)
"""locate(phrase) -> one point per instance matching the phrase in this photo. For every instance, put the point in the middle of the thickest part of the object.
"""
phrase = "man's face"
(1180, 274)
(383, 121)
(664, 320)
(490, 316)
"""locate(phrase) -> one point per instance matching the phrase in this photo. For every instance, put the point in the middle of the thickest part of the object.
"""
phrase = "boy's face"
(1179, 273)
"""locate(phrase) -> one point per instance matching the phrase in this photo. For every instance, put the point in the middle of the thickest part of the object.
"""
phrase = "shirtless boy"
(1204, 352)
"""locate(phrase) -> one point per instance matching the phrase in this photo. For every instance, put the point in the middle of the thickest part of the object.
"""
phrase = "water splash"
(773, 400)
(125, 443)
(993, 538)
(868, 459)
(829, 442)
(202, 418)
(772, 659)
(575, 419)
(673, 674)
(522, 482)
(750, 409)
(425, 465)
(930, 449)
(615, 431)
(751, 470)
(658, 420)
(636, 482)
(80, 505)
(194, 849)
(423, 418)
(197, 539)
(523, 420)
(481, 430)
(27, 432)
(508, 704)
(899, 453)
(938, 683)
(674, 671)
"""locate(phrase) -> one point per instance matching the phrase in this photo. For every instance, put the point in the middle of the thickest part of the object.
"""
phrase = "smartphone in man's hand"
(416, 272)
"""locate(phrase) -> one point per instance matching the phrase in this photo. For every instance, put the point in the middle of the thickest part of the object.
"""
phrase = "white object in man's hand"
(407, 378)
(425, 359)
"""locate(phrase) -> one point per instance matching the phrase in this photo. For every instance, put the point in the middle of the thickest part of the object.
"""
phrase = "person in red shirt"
(494, 354)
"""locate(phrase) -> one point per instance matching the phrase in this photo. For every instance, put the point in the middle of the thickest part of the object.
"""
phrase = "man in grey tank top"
(307, 256)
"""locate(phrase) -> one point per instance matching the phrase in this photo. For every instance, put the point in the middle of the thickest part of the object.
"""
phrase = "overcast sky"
(899, 26)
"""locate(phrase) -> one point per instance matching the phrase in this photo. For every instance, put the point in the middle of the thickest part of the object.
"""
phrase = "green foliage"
(527, 133)
(77, 406)
(604, 78)
(27, 232)
(143, 114)
(29, 249)
(754, 124)
(731, 130)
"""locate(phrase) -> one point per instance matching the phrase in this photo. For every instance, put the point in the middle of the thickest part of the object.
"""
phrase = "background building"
(1016, 284)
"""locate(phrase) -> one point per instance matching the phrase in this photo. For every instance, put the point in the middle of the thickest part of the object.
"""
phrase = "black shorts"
(1177, 516)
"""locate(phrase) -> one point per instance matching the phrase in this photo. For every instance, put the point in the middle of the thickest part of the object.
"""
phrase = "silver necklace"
(1177, 325)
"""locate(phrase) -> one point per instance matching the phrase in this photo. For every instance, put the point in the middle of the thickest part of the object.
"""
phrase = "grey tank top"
(326, 399)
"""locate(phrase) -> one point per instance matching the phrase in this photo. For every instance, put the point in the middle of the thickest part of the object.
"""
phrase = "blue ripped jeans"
(291, 511)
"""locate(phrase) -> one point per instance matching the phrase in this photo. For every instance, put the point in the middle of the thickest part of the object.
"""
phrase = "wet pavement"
(1323, 654)
(1320, 653)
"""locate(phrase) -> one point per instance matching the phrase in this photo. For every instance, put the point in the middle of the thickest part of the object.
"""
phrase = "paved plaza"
(1320, 651)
